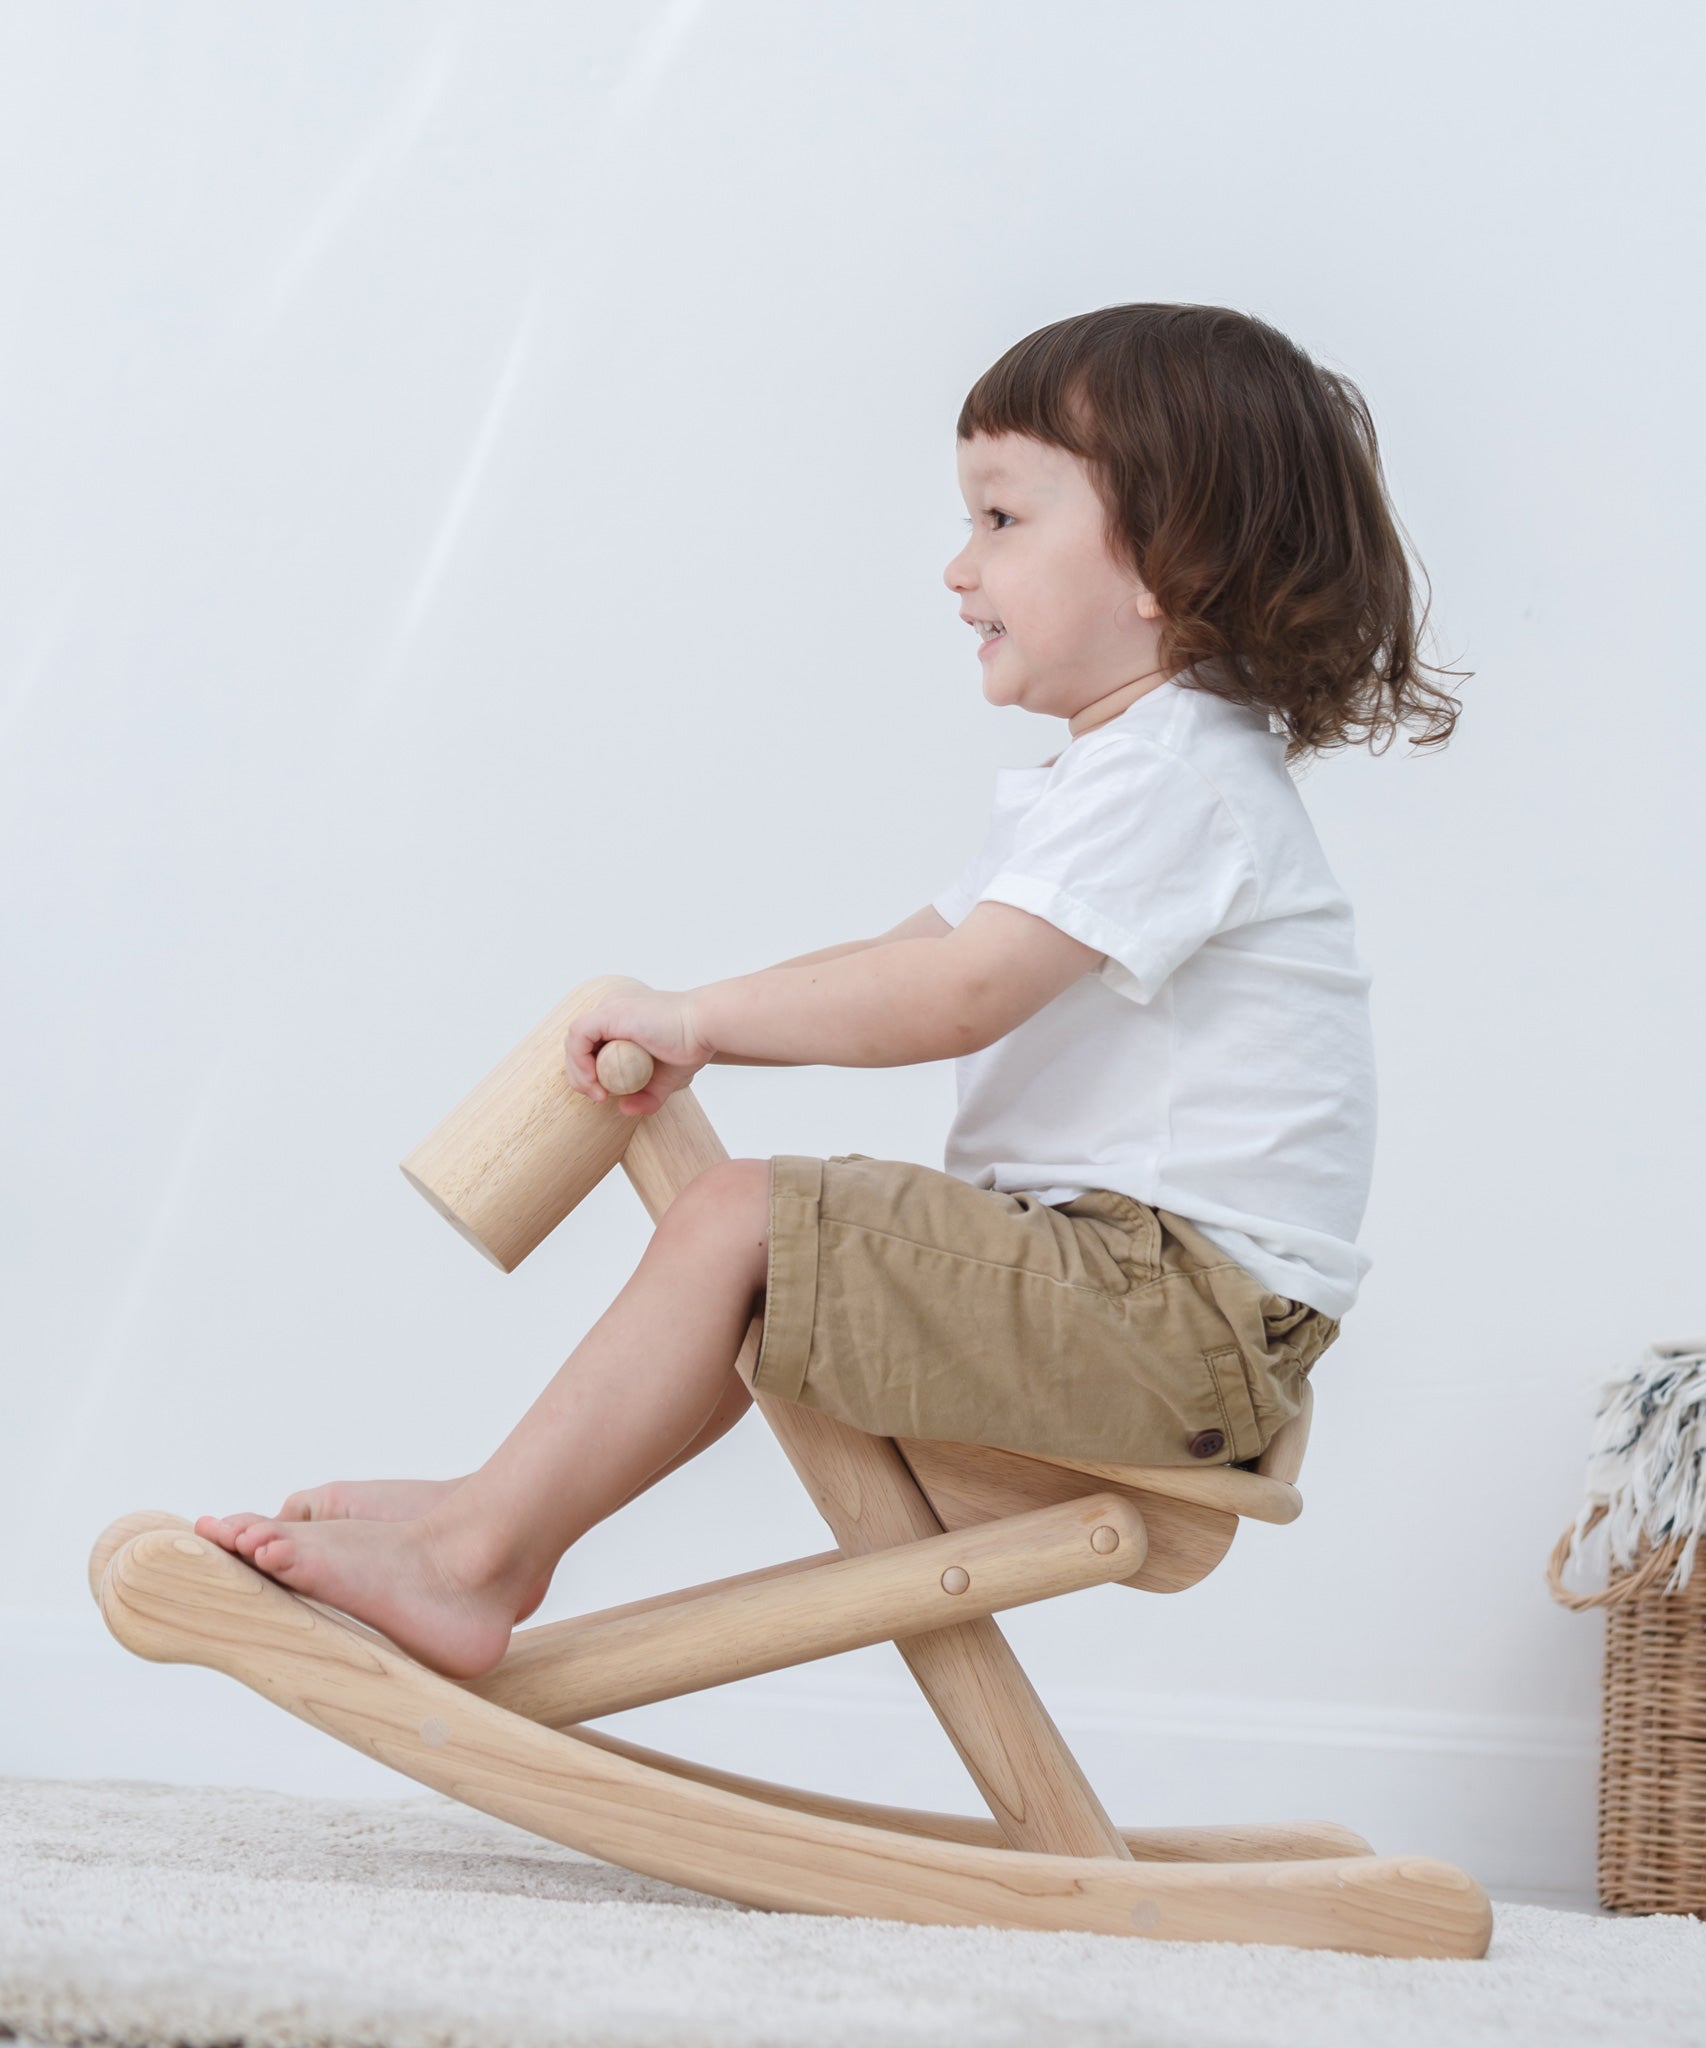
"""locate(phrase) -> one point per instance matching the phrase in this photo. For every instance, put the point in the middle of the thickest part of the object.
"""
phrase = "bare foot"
(367, 1500)
(395, 1576)
(374, 1500)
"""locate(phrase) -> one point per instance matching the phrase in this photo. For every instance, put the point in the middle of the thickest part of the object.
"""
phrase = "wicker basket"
(1652, 1767)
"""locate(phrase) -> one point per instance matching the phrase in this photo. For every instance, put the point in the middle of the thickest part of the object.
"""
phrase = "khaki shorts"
(909, 1303)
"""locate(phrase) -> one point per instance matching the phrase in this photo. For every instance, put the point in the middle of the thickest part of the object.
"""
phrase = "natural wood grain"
(1283, 1458)
(177, 1598)
(1223, 1842)
(522, 1148)
(970, 1483)
(1224, 1487)
(572, 1671)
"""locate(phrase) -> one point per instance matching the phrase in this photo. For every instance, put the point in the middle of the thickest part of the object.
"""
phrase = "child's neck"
(1114, 703)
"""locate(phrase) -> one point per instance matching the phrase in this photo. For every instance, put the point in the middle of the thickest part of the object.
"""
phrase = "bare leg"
(408, 1500)
(412, 1500)
(732, 1404)
(646, 1382)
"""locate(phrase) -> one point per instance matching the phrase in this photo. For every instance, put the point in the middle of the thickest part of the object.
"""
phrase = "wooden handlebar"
(622, 1066)
(517, 1153)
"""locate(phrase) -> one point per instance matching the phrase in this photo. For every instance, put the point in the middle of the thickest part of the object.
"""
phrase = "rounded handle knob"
(623, 1067)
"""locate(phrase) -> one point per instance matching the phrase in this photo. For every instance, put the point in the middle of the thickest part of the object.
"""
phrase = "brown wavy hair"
(1243, 483)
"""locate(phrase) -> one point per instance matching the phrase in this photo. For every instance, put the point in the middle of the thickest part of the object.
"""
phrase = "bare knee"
(726, 1210)
(728, 1205)
(730, 1184)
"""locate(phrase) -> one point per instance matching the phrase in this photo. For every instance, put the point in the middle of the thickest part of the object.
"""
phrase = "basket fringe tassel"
(1647, 1459)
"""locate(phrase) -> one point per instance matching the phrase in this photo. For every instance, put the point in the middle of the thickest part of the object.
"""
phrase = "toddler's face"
(1076, 625)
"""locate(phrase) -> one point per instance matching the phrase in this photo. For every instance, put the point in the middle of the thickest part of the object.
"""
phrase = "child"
(1145, 1234)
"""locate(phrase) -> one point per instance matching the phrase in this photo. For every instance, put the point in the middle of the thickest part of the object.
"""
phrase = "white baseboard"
(1510, 1798)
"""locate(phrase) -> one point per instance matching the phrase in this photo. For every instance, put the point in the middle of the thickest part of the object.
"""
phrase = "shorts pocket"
(1129, 1231)
(1231, 1382)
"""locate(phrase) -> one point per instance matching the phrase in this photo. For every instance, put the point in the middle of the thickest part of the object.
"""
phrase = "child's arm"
(893, 1004)
(888, 1004)
(922, 924)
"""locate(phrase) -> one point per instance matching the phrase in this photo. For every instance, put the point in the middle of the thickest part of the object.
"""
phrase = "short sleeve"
(1133, 851)
(958, 897)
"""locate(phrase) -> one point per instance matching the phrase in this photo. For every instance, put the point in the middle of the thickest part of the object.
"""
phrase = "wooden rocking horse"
(932, 1540)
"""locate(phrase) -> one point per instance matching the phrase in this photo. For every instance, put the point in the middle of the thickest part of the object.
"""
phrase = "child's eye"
(993, 513)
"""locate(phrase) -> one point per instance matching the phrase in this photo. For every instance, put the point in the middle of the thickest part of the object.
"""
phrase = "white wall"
(476, 490)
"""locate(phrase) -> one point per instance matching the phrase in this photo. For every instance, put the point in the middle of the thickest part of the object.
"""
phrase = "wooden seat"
(1191, 1513)
(932, 1539)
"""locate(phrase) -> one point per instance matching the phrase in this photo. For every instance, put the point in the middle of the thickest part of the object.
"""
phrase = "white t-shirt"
(1219, 1062)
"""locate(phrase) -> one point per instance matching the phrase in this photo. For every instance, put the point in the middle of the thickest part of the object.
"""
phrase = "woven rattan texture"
(1652, 1770)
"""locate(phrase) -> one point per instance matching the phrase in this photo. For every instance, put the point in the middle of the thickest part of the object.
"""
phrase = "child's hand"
(661, 1020)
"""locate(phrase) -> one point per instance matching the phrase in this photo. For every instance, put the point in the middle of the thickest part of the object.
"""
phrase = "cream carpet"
(155, 1915)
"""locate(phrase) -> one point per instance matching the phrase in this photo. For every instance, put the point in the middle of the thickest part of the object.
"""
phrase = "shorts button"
(1207, 1443)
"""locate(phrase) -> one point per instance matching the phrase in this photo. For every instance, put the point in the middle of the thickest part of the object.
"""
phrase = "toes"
(255, 1537)
(315, 1504)
(273, 1554)
(226, 1530)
